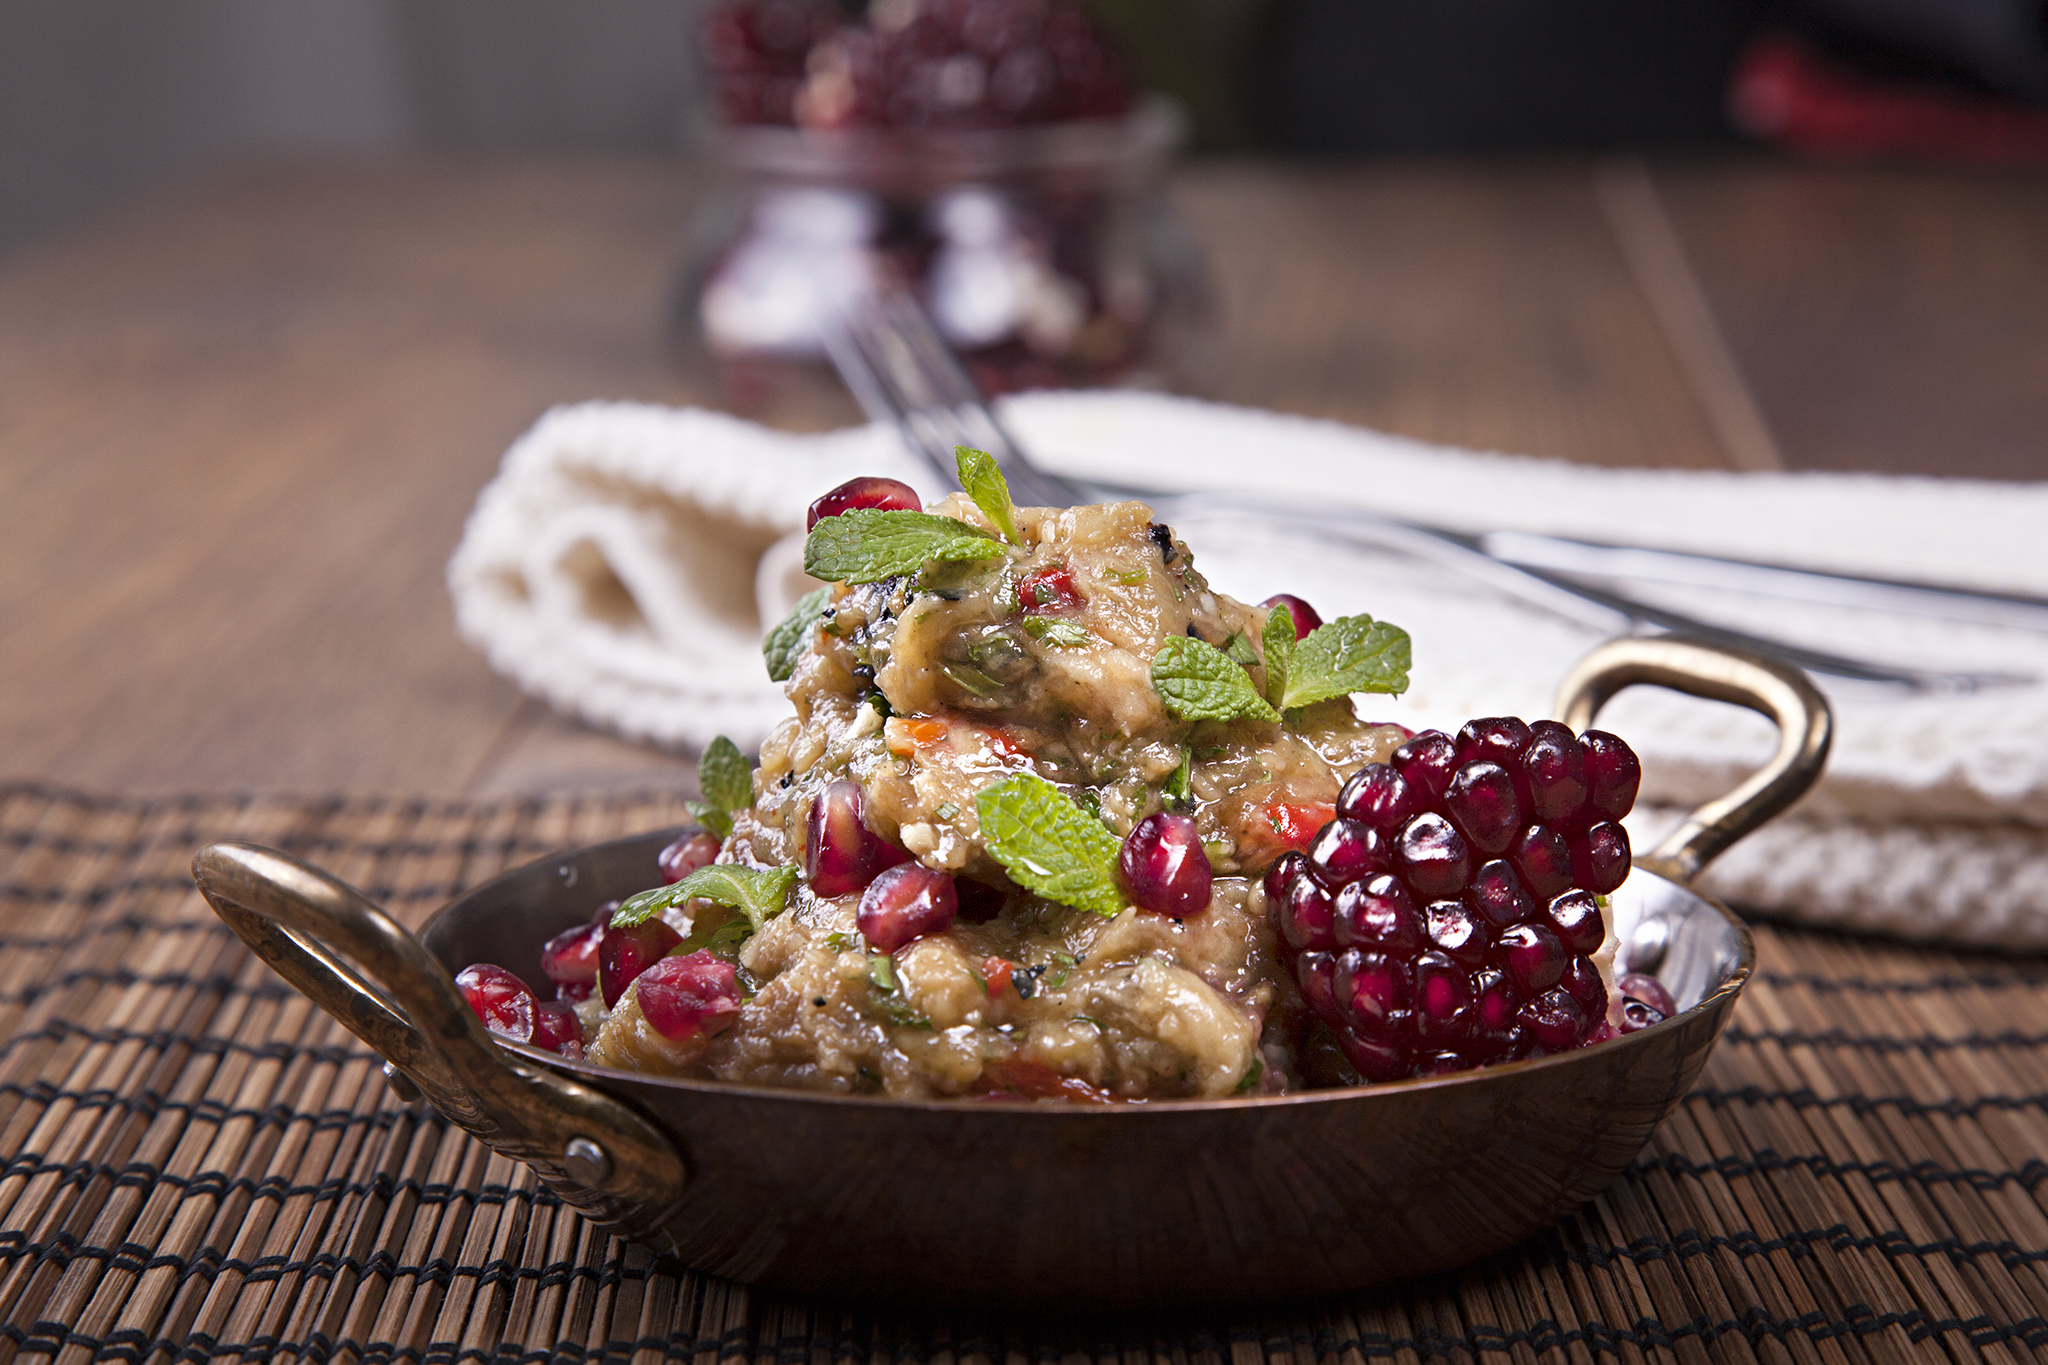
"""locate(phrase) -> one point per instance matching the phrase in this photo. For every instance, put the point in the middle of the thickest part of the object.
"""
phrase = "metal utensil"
(900, 370)
(1135, 1206)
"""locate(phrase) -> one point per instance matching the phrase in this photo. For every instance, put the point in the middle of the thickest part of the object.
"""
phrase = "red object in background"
(1784, 93)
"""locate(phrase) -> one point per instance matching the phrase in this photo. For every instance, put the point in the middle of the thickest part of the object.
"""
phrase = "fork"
(901, 371)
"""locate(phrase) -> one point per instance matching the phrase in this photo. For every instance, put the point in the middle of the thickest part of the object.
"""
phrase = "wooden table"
(239, 430)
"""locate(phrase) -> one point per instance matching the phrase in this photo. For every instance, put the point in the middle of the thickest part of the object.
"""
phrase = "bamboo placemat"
(200, 1165)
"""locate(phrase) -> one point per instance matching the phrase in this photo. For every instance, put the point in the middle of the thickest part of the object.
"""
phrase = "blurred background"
(102, 101)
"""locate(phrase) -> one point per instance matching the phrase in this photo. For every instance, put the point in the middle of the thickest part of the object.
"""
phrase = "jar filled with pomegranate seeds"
(948, 146)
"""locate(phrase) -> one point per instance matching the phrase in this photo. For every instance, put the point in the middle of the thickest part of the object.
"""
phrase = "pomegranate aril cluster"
(911, 64)
(1446, 919)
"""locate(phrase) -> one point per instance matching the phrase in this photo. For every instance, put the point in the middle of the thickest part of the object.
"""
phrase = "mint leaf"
(711, 817)
(1349, 654)
(757, 893)
(725, 775)
(1240, 649)
(785, 645)
(1278, 638)
(1197, 681)
(870, 544)
(1050, 845)
(983, 479)
(1064, 634)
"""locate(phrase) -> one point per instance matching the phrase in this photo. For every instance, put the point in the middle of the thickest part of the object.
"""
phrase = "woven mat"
(200, 1165)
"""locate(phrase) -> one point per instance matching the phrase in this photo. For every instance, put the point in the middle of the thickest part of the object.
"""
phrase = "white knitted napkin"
(626, 559)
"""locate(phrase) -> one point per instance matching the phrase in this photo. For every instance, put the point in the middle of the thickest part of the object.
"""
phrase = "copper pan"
(957, 1203)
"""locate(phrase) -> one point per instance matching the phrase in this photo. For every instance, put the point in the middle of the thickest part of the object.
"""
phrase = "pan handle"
(1715, 671)
(362, 967)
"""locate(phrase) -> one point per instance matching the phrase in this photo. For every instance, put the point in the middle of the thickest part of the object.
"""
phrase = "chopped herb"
(945, 810)
(785, 646)
(1239, 648)
(983, 479)
(1062, 634)
(1197, 681)
(1252, 1075)
(1085, 1019)
(838, 943)
(869, 544)
(882, 971)
(1179, 791)
(1066, 962)
(1130, 578)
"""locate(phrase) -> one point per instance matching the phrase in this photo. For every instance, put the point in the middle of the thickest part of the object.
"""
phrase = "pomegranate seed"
(1443, 1001)
(841, 854)
(699, 848)
(1388, 1061)
(1555, 768)
(1554, 1020)
(1344, 851)
(686, 996)
(1497, 739)
(1317, 973)
(1600, 857)
(499, 998)
(1498, 895)
(1494, 999)
(1532, 956)
(1582, 983)
(1050, 589)
(570, 957)
(625, 953)
(1481, 799)
(1544, 861)
(1427, 762)
(890, 495)
(1307, 916)
(1649, 990)
(1457, 932)
(1164, 866)
(1637, 1015)
(1280, 874)
(1613, 773)
(1377, 913)
(1372, 992)
(1379, 796)
(556, 1029)
(1576, 918)
(1432, 856)
(904, 904)
(1305, 618)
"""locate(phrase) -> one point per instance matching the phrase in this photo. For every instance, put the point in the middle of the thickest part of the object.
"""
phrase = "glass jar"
(1047, 255)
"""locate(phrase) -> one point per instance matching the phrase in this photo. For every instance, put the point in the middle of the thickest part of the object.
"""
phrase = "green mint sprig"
(983, 479)
(1349, 654)
(757, 893)
(869, 544)
(1048, 844)
(1198, 681)
(728, 782)
(1278, 641)
(783, 648)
